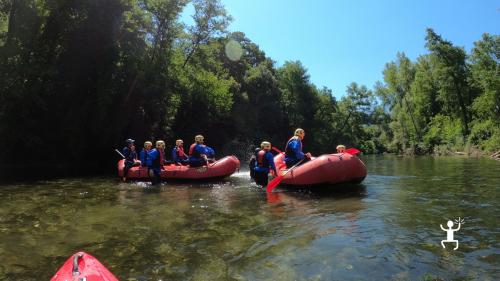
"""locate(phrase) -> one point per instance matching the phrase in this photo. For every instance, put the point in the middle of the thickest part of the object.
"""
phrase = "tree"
(399, 76)
(354, 110)
(211, 19)
(485, 70)
(298, 96)
(450, 71)
(485, 77)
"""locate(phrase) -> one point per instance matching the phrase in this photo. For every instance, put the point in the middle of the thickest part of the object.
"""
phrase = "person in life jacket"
(252, 162)
(144, 153)
(155, 162)
(293, 149)
(263, 164)
(340, 148)
(197, 152)
(130, 157)
(178, 155)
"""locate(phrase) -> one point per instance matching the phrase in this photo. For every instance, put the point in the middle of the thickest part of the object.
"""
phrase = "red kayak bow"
(82, 266)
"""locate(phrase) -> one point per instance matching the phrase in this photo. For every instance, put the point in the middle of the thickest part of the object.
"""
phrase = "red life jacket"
(261, 158)
(191, 149)
(162, 157)
(180, 152)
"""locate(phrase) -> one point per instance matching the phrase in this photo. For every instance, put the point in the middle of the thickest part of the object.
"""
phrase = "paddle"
(352, 151)
(206, 161)
(276, 181)
(117, 151)
(277, 150)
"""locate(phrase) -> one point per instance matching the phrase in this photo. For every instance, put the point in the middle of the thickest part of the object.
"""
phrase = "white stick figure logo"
(450, 230)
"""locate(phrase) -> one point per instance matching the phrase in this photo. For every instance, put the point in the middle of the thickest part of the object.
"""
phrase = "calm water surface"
(384, 229)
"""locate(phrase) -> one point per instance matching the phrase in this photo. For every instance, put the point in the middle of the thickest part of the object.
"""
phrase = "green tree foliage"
(399, 77)
(451, 72)
(444, 101)
(298, 96)
(353, 119)
(485, 77)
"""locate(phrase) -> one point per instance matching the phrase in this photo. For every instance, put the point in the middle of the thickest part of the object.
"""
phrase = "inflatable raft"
(221, 168)
(324, 169)
(82, 266)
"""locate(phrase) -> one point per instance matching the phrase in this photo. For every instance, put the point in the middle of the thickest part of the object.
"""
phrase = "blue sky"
(340, 42)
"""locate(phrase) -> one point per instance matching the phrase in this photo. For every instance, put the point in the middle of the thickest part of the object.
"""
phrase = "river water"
(387, 228)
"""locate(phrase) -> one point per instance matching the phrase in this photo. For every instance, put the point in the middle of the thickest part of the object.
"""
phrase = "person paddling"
(252, 163)
(293, 149)
(178, 155)
(197, 152)
(264, 162)
(130, 157)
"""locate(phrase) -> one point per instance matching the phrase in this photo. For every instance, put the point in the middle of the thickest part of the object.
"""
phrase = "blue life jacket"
(293, 150)
(144, 157)
(209, 152)
(154, 159)
(195, 152)
(130, 155)
(126, 152)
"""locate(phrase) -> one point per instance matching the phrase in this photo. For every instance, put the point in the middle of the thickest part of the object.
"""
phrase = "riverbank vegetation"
(78, 77)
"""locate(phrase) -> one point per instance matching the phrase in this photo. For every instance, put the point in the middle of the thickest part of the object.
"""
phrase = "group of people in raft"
(261, 163)
(154, 158)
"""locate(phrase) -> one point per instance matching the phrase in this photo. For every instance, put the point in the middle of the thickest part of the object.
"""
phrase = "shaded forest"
(79, 77)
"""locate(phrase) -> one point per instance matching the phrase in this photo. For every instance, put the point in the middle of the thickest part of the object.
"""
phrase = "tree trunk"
(463, 108)
(417, 131)
(12, 20)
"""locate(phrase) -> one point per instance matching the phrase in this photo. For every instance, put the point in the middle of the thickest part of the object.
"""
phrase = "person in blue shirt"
(293, 149)
(178, 155)
(155, 162)
(144, 153)
(197, 152)
(130, 157)
(264, 162)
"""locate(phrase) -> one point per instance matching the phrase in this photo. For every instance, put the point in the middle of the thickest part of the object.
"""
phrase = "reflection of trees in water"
(339, 198)
(341, 201)
(237, 230)
(422, 192)
(298, 220)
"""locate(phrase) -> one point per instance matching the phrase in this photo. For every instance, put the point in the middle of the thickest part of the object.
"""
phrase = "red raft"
(221, 168)
(82, 266)
(324, 169)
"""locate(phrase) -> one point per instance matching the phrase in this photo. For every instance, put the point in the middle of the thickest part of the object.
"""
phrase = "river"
(387, 228)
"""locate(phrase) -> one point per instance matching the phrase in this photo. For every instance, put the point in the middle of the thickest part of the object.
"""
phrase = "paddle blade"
(352, 151)
(273, 198)
(272, 184)
(276, 149)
